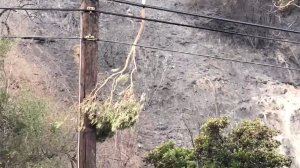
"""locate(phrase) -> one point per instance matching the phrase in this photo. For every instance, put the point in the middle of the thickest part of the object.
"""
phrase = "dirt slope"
(181, 91)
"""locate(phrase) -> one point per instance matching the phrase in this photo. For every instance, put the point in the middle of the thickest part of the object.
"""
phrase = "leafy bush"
(27, 133)
(4, 47)
(30, 135)
(169, 156)
(249, 145)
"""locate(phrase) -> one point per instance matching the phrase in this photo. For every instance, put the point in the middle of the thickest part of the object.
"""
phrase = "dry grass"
(284, 5)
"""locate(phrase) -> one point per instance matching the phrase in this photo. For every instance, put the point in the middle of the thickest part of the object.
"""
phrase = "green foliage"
(4, 47)
(30, 136)
(169, 156)
(27, 136)
(209, 144)
(251, 144)
(108, 118)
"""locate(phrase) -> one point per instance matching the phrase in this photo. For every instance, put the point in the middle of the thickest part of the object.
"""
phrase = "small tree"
(249, 145)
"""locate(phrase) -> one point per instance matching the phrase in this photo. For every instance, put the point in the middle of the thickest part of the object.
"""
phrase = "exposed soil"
(182, 91)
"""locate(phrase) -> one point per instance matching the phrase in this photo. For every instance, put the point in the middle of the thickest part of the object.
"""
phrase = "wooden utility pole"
(87, 81)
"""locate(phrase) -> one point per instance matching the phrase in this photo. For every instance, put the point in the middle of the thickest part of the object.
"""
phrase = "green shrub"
(5, 46)
(31, 135)
(169, 156)
(251, 144)
(27, 136)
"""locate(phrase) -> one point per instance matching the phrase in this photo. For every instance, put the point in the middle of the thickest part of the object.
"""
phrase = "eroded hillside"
(180, 91)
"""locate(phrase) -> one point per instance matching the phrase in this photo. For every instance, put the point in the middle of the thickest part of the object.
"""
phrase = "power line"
(201, 55)
(158, 21)
(39, 38)
(205, 16)
(197, 27)
(149, 47)
(45, 9)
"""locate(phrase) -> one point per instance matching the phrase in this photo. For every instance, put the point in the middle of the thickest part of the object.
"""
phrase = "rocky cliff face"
(181, 91)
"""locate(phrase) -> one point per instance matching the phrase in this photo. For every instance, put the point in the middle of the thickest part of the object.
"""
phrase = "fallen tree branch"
(131, 58)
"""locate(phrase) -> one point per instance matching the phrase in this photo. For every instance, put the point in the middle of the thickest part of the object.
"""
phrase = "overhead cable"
(197, 27)
(44, 9)
(44, 38)
(153, 48)
(159, 21)
(201, 55)
(205, 16)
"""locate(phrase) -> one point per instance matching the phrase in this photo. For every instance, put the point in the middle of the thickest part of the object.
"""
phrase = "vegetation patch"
(110, 117)
(250, 144)
(5, 46)
(31, 134)
(30, 137)
(170, 156)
